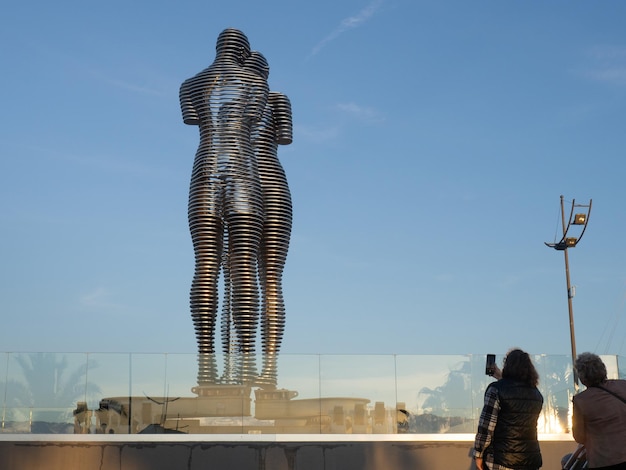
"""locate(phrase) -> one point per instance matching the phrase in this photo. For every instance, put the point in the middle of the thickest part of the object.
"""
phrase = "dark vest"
(515, 442)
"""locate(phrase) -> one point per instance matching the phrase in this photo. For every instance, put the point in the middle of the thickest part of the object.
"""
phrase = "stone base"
(226, 409)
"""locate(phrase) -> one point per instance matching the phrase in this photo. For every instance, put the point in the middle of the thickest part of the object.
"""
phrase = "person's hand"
(479, 463)
(497, 373)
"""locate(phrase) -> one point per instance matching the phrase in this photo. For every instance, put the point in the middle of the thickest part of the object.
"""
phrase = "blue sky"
(432, 141)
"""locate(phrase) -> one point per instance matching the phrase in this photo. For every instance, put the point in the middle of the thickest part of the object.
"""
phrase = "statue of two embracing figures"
(239, 212)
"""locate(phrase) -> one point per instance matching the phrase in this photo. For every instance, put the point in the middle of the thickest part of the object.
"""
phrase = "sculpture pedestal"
(226, 409)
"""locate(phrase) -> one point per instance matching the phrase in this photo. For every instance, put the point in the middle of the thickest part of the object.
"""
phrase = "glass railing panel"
(358, 393)
(556, 384)
(147, 375)
(181, 372)
(4, 365)
(148, 399)
(49, 380)
(43, 388)
(300, 373)
(612, 366)
(294, 405)
(109, 374)
(133, 393)
(436, 392)
(4, 362)
(166, 408)
(51, 420)
(220, 405)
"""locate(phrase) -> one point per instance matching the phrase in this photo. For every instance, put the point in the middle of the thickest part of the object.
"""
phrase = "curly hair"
(518, 366)
(591, 370)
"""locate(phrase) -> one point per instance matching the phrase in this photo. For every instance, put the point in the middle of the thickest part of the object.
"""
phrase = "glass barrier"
(122, 393)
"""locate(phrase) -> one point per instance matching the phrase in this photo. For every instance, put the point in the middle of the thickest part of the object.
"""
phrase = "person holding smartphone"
(506, 438)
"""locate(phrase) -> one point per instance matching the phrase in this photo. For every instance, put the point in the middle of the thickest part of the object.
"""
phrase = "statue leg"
(229, 376)
(273, 255)
(244, 239)
(206, 233)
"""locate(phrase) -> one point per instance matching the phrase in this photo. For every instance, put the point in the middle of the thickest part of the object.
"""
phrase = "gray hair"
(591, 370)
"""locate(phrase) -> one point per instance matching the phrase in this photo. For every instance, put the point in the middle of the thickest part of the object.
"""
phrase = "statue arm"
(281, 110)
(190, 115)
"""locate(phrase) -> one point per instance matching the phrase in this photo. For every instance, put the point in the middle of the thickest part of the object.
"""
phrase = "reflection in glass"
(360, 394)
(42, 389)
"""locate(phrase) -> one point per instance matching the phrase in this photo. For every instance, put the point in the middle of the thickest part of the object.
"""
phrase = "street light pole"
(570, 306)
(565, 243)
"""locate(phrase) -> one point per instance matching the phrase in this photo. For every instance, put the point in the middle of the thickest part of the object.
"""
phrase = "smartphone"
(490, 364)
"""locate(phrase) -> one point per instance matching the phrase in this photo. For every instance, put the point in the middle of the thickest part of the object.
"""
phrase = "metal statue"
(239, 209)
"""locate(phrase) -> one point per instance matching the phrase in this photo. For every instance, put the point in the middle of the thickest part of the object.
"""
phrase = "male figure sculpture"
(224, 101)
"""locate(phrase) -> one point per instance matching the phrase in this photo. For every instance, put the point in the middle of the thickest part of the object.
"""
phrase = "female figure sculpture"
(273, 129)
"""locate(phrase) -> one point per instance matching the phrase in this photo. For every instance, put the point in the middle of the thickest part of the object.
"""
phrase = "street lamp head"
(580, 219)
(564, 244)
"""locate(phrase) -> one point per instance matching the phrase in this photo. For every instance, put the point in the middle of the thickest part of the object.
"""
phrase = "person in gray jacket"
(599, 419)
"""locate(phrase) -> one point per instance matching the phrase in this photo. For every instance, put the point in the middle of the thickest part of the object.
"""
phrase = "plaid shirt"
(486, 426)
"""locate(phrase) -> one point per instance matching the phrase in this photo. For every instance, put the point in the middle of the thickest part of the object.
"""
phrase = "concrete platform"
(253, 452)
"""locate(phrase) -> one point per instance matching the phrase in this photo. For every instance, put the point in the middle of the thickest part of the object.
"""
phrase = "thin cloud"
(608, 64)
(332, 132)
(78, 65)
(348, 24)
(607, 52)
(615, 75)
(125, 85)
(101, 300)
(99, 297)
(316, 134)
(360, 112)
(117, 165)
(113, 164)
(508, 281)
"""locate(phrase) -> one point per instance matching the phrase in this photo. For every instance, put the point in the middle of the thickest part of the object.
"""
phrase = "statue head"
(258, 65)
(233, 44)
